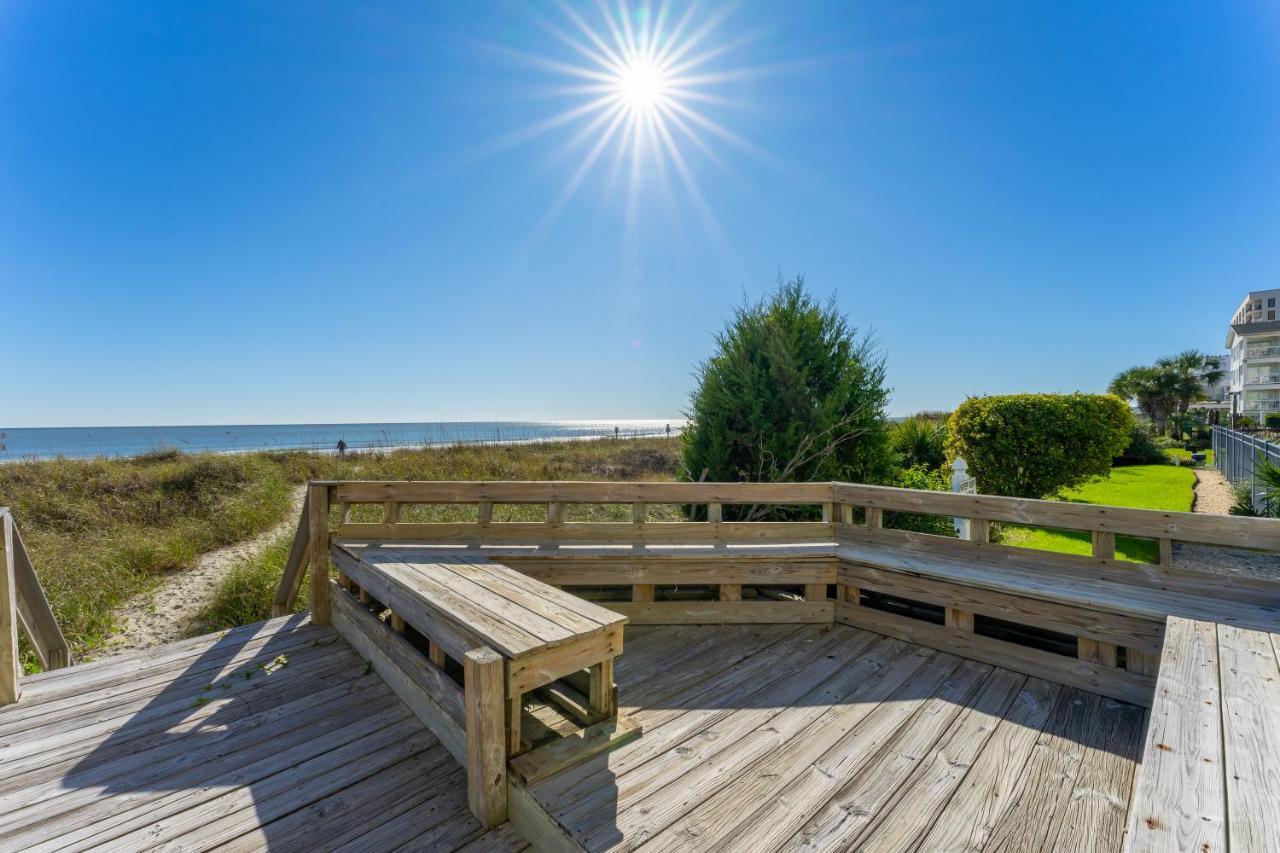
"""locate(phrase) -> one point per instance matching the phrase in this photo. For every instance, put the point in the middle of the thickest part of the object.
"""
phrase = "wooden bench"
(1210, 773)
(1115, 611)
(462, 601)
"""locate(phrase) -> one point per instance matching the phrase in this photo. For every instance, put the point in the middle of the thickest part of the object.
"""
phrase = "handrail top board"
(515, 614)
(1236, 531)
(594, 550)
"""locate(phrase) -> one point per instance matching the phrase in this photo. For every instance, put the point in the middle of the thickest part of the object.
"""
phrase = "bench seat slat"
(1103, 594)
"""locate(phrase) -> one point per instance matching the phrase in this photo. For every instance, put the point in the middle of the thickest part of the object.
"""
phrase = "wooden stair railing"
(23, 602)
(295, 565)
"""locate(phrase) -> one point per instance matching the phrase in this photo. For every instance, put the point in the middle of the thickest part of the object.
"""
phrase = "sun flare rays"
(642, 87)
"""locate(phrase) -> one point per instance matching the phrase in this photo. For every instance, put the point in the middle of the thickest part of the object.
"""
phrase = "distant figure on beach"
(342, 449)
(668, 430)
(615, 432)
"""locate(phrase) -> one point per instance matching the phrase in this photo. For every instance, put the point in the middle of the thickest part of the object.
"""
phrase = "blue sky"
(293, 212)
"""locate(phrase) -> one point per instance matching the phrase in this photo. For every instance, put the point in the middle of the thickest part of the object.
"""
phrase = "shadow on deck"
(274, 736)
(278, 736)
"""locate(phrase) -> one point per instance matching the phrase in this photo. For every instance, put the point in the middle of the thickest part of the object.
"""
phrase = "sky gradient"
(308, 212)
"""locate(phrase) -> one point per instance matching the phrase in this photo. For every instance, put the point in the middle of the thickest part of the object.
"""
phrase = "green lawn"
(1143, 486)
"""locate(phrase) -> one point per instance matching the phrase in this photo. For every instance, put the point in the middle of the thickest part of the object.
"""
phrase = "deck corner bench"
(512, 633)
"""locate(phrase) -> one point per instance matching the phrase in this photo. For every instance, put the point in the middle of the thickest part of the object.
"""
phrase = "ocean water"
(89, 442)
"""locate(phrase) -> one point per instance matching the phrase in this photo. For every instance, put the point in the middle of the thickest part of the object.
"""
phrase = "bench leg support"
(604, 696)
(484, 684)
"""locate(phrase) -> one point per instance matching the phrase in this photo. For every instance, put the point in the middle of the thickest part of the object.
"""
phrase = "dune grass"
(101, 531)
(247, 592)
(1166, 487)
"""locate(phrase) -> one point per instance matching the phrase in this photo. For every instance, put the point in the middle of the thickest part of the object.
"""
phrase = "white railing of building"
(1236, 454)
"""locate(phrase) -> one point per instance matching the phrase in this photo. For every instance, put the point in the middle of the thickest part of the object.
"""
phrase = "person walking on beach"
(342, 449)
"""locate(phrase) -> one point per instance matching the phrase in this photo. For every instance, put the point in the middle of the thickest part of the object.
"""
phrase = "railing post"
(10, 666)
(484, 686)
(318, 524)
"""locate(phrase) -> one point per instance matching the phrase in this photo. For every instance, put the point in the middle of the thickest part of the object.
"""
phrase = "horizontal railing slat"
(580, 492)
(690, 532)
(1261, 533)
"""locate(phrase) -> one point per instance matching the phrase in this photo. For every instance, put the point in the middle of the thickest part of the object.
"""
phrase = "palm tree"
(1167, 389)
(1189, 372)
(1150, 388)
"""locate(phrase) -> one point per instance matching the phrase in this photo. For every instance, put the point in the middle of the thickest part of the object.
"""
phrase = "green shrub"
(1035, 445)
(921, 477)
(920, 440)
(1245, 422)
(1141, 450)
(1273, 420)
(792, 393)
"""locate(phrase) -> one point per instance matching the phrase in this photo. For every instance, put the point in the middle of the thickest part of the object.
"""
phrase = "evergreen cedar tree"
(1036, 445)
(792, 394)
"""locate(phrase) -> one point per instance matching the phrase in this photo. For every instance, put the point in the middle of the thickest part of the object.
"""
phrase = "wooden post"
(1096, 651)
(318, 523)
(515, 710)
(730, 592)
(484, 512)
(979, 530)
(639, 512)
(604, 696)
(396, 622)
(484, 687)
(875, 516)
(1104, 545)
(555, 513)
(10, 666)
(1166, 553)
(435, 653)
(961, 620)
(390, 512)
(815, 592)
(846, 514)
(715, 513)
(642, 592)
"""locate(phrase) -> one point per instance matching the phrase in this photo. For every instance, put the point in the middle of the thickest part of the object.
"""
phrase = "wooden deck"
(800, 737)
(276, 736)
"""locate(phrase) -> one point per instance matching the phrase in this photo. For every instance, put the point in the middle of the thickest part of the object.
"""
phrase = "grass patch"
(1181, 454)
(101, 531)
(246, 594)
(1165, 487)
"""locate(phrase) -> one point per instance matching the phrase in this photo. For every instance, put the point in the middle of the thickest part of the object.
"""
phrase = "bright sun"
(642, 86)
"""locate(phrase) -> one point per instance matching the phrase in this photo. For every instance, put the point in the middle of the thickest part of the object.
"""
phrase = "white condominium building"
(1253, 383)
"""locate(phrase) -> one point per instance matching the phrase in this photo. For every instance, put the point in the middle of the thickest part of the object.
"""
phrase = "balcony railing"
(1262, 405)
(1264, 378)
(1264, 352)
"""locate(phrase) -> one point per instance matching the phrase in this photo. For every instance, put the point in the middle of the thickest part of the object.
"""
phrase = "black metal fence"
(1237, 453)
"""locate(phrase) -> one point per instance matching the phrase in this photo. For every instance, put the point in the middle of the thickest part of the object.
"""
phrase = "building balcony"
(1263, 352)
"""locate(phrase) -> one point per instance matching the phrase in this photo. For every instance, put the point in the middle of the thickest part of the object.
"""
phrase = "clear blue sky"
(233, 212)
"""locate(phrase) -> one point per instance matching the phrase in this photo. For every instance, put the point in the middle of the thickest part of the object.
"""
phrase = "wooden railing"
(849, 566)
(23, 602)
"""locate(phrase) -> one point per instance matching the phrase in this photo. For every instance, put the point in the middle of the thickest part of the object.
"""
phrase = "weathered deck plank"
(755, 737)
(923, 751)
